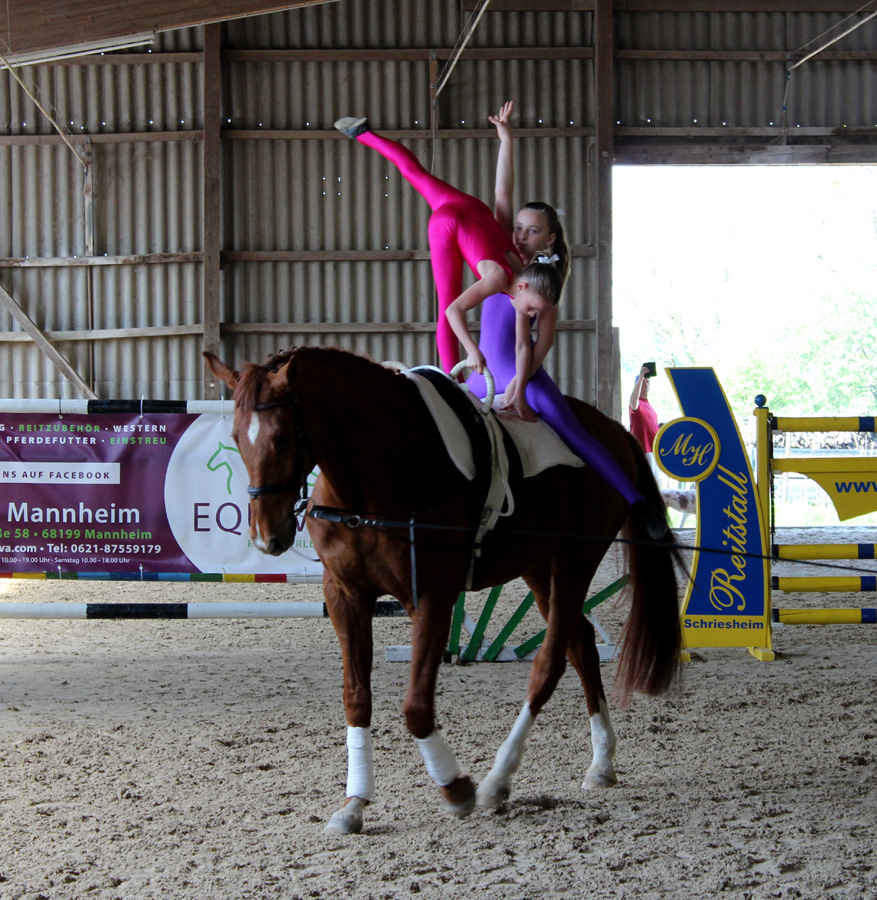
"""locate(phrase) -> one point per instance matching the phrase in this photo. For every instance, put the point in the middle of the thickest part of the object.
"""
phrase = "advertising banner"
(727, 602)
(157, 494)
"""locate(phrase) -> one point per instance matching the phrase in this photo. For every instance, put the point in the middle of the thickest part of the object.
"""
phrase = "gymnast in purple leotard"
(518, 282)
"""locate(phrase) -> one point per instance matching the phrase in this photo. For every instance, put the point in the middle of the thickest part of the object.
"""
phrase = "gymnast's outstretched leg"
(456, 218)
(549, 404)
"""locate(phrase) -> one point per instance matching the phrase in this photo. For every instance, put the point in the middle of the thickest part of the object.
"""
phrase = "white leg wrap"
(439, 758)
(602, 735)
(510, 754)
(360, 763)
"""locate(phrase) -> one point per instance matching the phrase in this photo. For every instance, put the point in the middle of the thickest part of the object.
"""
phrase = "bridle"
(299, 482)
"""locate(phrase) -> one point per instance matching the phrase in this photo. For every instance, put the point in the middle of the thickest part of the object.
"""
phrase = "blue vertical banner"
(727, 603)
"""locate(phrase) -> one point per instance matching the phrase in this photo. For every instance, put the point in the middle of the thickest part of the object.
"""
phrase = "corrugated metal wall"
(834, 89)
(348, 199)
(144, 197)
(315, 230)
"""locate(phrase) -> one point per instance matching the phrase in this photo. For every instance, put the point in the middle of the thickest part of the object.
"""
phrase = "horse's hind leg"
(429, 633)
(548, 666)
(582, 654)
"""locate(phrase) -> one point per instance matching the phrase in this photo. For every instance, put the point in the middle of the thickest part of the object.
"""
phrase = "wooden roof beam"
(68, 26)
(717, 6)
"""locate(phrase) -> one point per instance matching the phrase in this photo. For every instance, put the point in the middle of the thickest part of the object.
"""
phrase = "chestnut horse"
(397, 517)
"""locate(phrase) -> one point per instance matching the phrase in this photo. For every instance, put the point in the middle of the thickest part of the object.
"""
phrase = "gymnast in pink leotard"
(519, 281)
(462, 229)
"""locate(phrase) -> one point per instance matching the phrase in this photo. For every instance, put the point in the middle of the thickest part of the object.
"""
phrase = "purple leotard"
(461, 228)
(497, 343)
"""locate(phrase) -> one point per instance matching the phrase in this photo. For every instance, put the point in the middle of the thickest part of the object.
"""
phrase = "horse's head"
(273, 444)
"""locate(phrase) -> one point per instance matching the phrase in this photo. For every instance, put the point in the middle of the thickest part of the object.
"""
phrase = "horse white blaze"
(253, 428)
(258, 543)
(252, 436)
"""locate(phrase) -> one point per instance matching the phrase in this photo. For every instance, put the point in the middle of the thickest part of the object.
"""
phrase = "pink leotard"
(461, 228)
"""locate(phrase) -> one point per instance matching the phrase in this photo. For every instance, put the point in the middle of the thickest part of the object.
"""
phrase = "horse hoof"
(598, 780)
(492, 796)
(348, 819)
(461, 810)
(459, 797)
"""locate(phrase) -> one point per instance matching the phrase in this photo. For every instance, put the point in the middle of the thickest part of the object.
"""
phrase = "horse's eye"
(281, 439)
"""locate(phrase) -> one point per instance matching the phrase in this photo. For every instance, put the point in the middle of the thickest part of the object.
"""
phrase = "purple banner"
(107, 492)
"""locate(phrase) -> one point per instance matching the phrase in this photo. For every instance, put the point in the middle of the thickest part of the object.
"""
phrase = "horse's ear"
(223, 372)
(289, 372)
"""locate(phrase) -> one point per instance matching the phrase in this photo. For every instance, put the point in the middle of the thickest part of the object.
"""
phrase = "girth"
(476, 425)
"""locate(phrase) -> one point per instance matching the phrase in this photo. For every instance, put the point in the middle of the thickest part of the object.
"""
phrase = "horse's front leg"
(351, 617)
(429, 634)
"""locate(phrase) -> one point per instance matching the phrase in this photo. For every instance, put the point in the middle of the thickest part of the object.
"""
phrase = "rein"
(351, 520)
(298, 484)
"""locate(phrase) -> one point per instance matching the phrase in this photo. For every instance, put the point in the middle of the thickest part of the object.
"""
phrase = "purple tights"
(498, 346)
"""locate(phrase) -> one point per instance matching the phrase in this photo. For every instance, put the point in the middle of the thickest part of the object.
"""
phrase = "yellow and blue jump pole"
(839, 616)
(850, 483)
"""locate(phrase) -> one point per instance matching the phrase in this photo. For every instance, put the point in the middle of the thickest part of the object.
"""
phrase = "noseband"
(299, 482)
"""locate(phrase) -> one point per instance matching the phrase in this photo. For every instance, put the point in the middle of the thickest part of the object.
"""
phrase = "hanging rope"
(458, 49)
(445, 74)
(55, 124)
(834, 40)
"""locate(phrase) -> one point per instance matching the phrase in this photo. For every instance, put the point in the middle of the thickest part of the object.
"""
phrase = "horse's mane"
(253, 375)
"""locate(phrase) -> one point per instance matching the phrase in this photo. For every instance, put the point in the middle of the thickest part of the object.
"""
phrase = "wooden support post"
(211, 198)
(604, 85)
(90, 244)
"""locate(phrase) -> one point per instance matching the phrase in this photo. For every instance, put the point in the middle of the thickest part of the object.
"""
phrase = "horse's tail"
(652, 639)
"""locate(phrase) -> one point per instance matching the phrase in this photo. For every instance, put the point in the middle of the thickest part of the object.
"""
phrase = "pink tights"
(461, 229)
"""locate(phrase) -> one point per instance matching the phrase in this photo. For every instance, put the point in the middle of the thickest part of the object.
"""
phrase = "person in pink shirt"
(643, 418)
(463, 229)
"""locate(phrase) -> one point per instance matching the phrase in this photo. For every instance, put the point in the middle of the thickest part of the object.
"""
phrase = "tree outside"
(766, 274)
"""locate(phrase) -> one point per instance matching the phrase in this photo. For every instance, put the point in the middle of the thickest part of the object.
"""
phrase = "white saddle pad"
(538, 444)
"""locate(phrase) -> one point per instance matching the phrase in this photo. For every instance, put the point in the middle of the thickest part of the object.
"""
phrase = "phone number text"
(110, 549)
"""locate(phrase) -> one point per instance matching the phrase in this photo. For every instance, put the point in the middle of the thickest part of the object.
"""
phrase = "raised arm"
(505, 169)
(637, 389)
